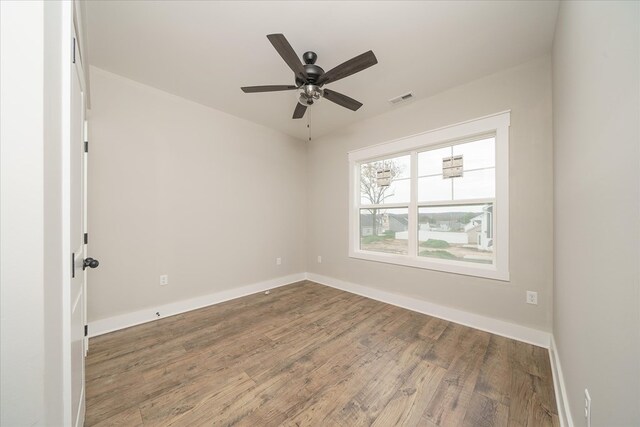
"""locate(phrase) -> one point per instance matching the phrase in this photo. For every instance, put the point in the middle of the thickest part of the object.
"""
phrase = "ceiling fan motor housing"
(313, 71)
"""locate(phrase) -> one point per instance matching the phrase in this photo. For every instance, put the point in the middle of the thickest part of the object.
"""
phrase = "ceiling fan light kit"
(310, 94)
(309, 77)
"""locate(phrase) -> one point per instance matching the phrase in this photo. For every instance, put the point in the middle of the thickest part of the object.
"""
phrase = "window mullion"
(384, 206)
(457, 202)
(453, 180)
(413, 207)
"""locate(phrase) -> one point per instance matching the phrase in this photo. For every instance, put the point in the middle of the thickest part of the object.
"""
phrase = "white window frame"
(496, 124)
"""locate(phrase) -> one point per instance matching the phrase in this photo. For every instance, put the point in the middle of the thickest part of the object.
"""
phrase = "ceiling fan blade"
(298, 113)
(342, 100)
(352, 66)
(270, 88)
(287, 53)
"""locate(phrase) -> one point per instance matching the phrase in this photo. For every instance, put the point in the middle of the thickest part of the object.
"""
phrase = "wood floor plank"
(310, 355)
(371, 400)
(124, 397)
(128, 418)
(155, 355)
(521, 402)
(433, 328)
(312, 315)
(486, 412)
(195, 362)
(494, 380)
(530, 359)
(241, 321)
(410, 401)
(451, 399)
(108, 384)
(410, 330)
(354, 321)
(292, 379)
(449, 344)
(177, 328)
(211, 406)
(162, 409)
(335, 394)
(540, 414)
(291, 388)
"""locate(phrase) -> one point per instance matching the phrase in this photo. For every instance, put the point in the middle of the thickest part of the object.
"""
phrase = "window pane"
(477, 154)
(373, 189)
(430, 162)
(480, 184)
(476, 182)
(434, 189)
(459, 233)
(384, 230)
(399, 191)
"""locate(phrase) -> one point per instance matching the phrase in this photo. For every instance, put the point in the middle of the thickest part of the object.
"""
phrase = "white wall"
(22, 215)
(596, 97)
(181, 189)
(526, 90)
(54, 257)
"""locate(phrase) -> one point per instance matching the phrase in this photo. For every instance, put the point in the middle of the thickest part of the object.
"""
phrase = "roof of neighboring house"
(403, 219)
(471, 227)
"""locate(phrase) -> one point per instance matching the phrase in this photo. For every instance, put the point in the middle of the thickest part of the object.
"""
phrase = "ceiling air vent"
(402, 98)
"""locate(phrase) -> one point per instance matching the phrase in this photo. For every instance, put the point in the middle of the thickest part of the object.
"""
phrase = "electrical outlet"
(164, 279)
(532, 297)
(278, 261)
(319, 259)
(587, 407)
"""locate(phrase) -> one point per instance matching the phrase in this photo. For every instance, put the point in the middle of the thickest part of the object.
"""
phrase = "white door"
(85, 228)
(76, 238)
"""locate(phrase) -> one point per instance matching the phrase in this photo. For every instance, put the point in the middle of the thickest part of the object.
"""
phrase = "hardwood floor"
(311, 355)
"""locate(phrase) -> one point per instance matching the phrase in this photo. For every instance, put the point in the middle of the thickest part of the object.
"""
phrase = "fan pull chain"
(309, 122)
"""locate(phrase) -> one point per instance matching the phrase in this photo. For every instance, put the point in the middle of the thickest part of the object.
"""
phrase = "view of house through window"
(454, 202)
(381, 230)
(458, 232)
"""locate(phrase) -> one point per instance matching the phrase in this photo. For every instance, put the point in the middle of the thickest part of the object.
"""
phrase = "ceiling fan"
(309, 78)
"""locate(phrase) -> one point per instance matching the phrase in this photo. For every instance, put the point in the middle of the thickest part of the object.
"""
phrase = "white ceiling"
(204, 51)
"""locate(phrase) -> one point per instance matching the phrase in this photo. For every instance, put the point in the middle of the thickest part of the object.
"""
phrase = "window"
(437, 200)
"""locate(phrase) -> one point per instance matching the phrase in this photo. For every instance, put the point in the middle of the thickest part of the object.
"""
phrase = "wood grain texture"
(310, 355)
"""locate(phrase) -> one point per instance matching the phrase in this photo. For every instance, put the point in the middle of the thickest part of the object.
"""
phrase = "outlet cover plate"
(532, 297)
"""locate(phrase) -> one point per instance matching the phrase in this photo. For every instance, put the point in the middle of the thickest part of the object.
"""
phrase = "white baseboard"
(562, 402)
(477, 321)
(122, 321)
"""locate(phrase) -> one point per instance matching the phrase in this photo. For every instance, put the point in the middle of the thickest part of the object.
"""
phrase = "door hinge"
(86, 146)
(73, 265)
(86, 330)
(86, 238)
(74, 50)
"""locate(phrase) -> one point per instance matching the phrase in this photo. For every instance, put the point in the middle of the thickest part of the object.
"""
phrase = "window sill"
(484, 271)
